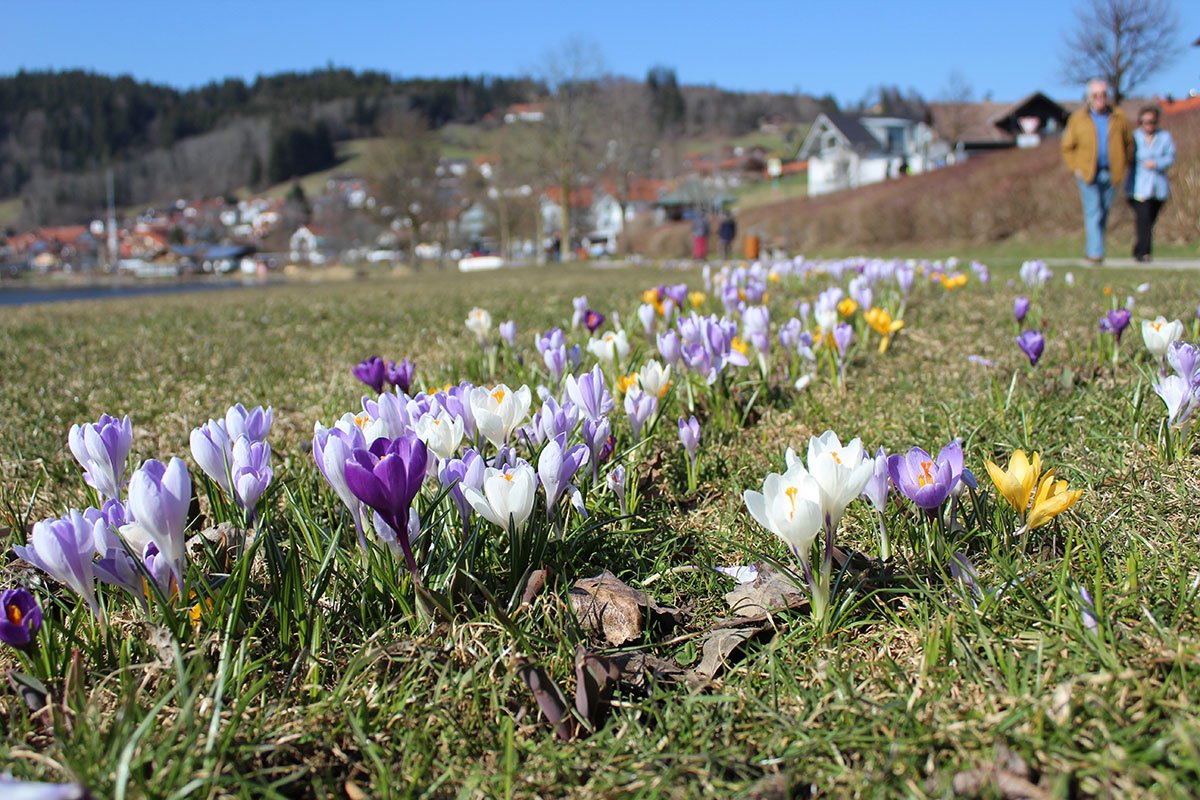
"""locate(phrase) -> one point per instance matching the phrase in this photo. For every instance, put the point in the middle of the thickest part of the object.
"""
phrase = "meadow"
(1009, 645)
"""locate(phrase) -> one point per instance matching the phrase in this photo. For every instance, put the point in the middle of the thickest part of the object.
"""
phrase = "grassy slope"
(1014, 197)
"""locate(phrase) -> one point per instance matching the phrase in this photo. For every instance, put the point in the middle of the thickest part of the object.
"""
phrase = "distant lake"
(20, 296)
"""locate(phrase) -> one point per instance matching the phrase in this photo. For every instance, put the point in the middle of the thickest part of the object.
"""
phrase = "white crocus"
(1159, 334)
(507, 495)
(442, 433)
(789, 506)
(479, 322)
(842, 471)
(612, 345)
(499, 411)
(654, 379)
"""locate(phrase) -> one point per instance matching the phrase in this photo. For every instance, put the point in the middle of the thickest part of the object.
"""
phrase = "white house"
(845, 151)
(306, 245)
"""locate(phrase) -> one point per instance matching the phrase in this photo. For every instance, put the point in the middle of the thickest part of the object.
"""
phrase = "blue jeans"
(1097, 199)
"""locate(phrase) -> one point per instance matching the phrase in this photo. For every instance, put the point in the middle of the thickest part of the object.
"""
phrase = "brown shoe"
(1095, 260)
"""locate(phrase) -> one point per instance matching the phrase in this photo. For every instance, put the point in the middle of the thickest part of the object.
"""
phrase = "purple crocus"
(557, 464)
(254, 423)
(457, 473)
(387, 477)
(332, 448)
(1184, 358)
(1118, 321)
(877, 487)
(37, 790)
(251, 472)
(843, 334)
(669, 347)
(689, 435)
(400, 374)
(1032, 343)
(592, 319)
(639, 407)
(1179, 396)
(102, 448)
(581, 306)
(64, 548)
(20, 618)
(371, 371)
(596, 435)
(1021, 308)
(213, 451)
(508, 331)
(589, 393)
(159, 497)
(925, 480)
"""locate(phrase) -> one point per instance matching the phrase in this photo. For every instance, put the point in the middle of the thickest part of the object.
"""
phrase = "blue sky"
(1006, 49)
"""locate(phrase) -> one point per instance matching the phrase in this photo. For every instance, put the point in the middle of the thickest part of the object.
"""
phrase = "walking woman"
(1155, 152)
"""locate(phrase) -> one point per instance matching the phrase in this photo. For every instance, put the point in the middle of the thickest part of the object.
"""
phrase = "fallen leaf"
(615, 610)
(770, 591)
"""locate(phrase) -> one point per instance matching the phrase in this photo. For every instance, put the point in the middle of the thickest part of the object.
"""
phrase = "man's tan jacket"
(1079, 145)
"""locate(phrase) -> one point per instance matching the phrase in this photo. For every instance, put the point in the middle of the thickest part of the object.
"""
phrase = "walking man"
(1098, 147)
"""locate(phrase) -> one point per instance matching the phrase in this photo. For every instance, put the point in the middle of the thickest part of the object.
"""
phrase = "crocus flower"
(12, 789)
(581, 306)
(841, 472)
(611, 347)
(1184, 358)
(1016, 485)
(371, 371)
(843, 334)
(332, 448)
(499, 411)
(442, 433)
(1035, 273)
(400, 374)
(597, 434)
(592, 320)
(615, 481)
(387, 478)
(1179, 396)
(1032, 343)
(557, 464)
(159, 497)
(63, 549)
(479, 322)
(789, 506)
(639, 407)
(689, 435)
(254, 423)
(589, 393)
(507, 496)
(1021, 308)
(647, 315)
(250, 471)
(925, 480)
(1118, 321)
(508, 332)
(213, 452)
(457, 474)
(654, 379)
(1158, 335)
(669, 346)
(877, 486)
(20, 618)
(101, 448)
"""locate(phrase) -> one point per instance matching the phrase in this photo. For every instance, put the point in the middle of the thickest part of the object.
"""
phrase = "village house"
(307, 245)
(978, 127)
(846, 151)
(524, 112)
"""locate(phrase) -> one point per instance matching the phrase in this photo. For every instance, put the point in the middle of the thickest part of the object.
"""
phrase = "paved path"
(1127, 263)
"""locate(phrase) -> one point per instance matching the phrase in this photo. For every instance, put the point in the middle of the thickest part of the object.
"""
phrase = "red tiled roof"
(581, 196)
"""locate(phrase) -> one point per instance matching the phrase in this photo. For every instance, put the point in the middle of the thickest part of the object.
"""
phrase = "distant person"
(700, 232)
(1098, 147)
(727, 232)
(1148, 185)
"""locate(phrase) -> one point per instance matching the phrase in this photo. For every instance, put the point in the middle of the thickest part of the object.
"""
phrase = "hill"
(1013, 194)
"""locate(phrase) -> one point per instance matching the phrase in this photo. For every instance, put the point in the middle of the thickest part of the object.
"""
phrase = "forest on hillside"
(59, 131)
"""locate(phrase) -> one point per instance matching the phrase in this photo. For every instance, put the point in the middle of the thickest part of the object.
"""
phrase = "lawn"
(315, 669)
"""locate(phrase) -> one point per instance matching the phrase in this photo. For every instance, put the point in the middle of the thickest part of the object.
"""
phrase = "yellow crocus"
(847, 307)
(697, 299)
(773, 277)
(882, 323)
(1016, 483)
(625, 381)
(1052, 499)
(740, 346)
(955, 281)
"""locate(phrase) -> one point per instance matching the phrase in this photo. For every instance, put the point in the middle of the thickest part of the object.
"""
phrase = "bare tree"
(953, 114)
(403, 168)
(571, 74)
(1122, 41)
(631, 138)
